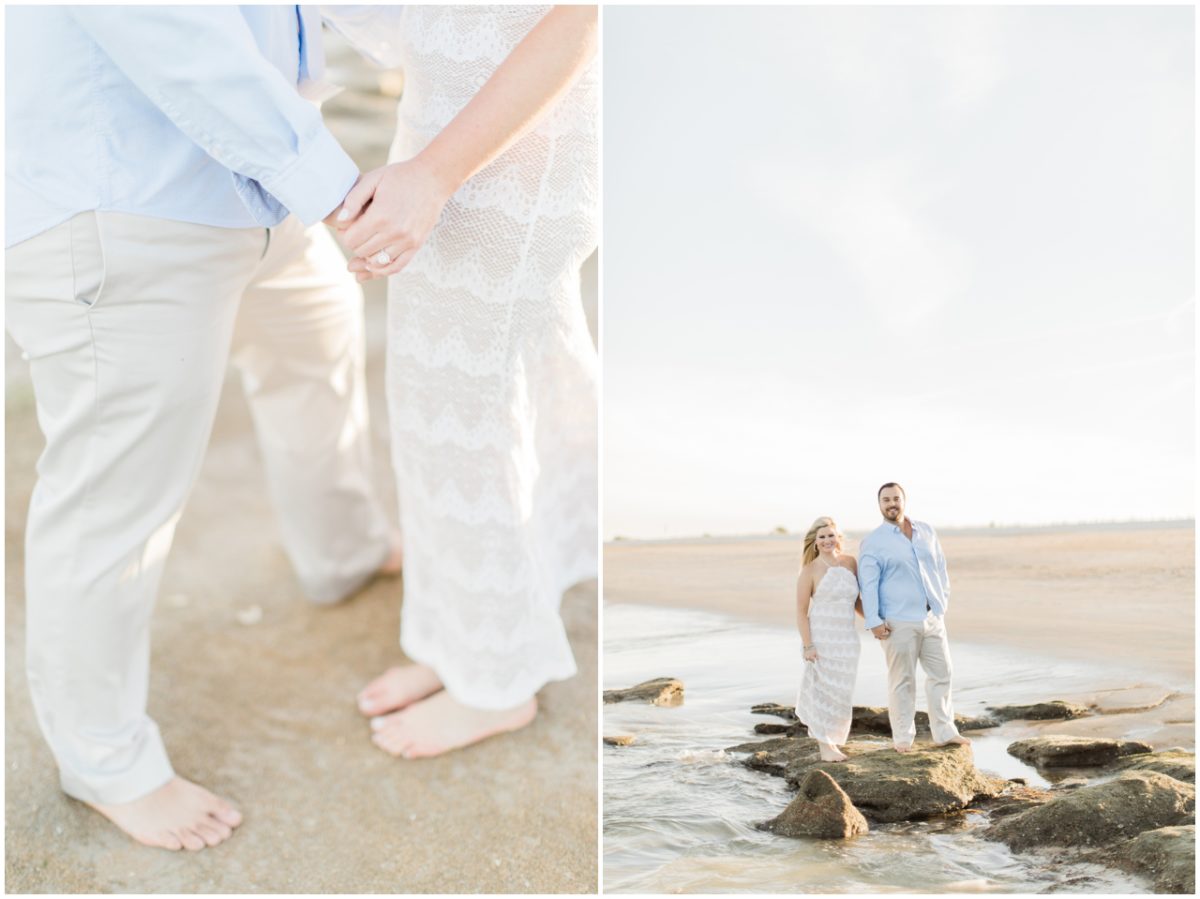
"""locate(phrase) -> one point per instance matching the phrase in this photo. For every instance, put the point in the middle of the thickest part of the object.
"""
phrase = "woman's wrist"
(447, 175)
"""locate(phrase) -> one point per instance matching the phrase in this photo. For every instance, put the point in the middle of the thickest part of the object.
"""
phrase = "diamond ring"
(382, 258)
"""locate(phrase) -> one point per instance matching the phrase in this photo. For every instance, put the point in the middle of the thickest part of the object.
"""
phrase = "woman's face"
(827, 539)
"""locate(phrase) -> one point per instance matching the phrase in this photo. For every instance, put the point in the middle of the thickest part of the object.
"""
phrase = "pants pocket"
(88, 264)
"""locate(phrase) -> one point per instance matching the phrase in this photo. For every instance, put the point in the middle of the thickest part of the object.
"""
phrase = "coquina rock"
(1075, 752)
(1055, 710)
(620, 740)
(821, 809)
(1177, 763)
(1101, 814)
(664, 691)
(884, 785)
(1166, 856)
(871, 720)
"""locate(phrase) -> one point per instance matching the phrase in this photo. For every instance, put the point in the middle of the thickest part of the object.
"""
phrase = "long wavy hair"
(810, 539)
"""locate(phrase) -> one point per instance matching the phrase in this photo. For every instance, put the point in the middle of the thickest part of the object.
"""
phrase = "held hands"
(882, 632)
(810, 654)
(388, 215)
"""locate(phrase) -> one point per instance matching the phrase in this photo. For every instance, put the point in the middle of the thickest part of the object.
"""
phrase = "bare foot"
(441, 723)
(394, 562)
(178, 815)
(398, 687)
(830, 753)
(959, 740)
(903, 747)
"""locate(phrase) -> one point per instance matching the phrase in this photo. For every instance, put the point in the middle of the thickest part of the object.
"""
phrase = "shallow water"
(679, 812)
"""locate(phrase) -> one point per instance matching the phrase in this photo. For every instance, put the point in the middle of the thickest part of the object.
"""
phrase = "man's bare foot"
(398, 687)
(178, 815)
(394, 562)
(902, 747)
(830, 753)
(441, 723)
(959, 740)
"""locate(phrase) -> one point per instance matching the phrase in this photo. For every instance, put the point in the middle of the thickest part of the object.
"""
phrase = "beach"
(1035, 615)
(254, 692)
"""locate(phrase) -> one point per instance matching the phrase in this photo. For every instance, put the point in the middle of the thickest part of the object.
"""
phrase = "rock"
(619, 740)
(884, 785)
(787, 713)
(1176, 763)
(1056, 710)
(664, 691)
(1099, 815)
(1166, 856)
(1017, 798)
(874, 720)
(821, 809)
(773, 729)
(1074, 752)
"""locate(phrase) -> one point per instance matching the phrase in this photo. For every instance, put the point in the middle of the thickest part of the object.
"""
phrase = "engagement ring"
(382, 258)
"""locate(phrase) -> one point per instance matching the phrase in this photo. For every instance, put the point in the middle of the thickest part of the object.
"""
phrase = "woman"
(482, 222)
(826, 601)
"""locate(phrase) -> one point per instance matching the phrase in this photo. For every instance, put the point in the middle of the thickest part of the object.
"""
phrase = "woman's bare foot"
(902, 747)
(830, 753)
(441, 723)
(178, 815)
(396, 688)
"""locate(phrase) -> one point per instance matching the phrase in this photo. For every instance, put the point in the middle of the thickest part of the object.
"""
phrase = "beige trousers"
(128, 323)
(925, 642)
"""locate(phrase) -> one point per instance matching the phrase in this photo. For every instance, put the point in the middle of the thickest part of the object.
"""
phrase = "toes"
(208, 833)
(223, 830)
(227, 814)
(191, 840)
(393, 743)
(382, 723)
(167, 840)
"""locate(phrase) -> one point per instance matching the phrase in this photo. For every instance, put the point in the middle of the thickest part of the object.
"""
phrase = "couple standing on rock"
(901, 589)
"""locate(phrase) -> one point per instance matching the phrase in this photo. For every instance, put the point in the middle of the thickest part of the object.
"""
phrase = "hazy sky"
(951, 247)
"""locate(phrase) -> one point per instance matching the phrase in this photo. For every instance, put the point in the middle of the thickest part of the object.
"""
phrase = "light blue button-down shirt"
(902, 579)
(193, 114)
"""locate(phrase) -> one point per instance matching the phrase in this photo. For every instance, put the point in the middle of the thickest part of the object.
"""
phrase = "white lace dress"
(492, 373)
(825, 701)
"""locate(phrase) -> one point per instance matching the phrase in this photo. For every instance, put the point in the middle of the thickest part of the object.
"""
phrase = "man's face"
(891, 504)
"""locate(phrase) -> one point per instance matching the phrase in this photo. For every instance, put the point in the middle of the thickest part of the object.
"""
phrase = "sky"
(947, 246)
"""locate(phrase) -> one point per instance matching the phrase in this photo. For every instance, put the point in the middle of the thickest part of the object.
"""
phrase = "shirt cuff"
(870, 626)
(316, 183)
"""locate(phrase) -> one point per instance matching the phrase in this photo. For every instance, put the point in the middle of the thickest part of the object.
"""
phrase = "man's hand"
(881, 632)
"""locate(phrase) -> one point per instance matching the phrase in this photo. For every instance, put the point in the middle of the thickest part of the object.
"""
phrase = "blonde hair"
(810, 539)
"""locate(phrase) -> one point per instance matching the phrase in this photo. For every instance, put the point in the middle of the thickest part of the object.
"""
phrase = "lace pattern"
(825, 701)
(492, 375)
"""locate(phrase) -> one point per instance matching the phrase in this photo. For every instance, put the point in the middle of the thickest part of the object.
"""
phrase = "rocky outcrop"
(787, 713)
(1056, 710)
(1074, 752)
(1099, 815)
(1176, 763)
(619, 740)
(865, 720)
(874, 720)
(1166, 857)
(883, 784)
(664, 691)
(821, 809)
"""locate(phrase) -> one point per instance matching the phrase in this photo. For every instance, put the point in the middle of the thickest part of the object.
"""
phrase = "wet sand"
(264, 712)
(1086, 594)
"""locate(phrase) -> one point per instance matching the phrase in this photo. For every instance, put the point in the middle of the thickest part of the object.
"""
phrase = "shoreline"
(1091, 595)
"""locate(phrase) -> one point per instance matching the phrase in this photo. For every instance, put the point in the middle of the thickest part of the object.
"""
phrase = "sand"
(264, 712)
(1088, 594)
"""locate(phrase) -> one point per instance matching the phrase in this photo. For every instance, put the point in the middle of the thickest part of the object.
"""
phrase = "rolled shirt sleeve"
(242, 111)
(868, 586)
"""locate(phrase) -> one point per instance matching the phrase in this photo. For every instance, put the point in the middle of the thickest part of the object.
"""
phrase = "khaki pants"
(910, 642)
(128, 323)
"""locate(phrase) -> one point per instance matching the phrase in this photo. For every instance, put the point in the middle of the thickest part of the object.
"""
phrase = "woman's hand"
(810, 654)
(388, 216)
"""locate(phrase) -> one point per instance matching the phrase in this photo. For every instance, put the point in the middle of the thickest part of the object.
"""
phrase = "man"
(153, 156)
(905, 590)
